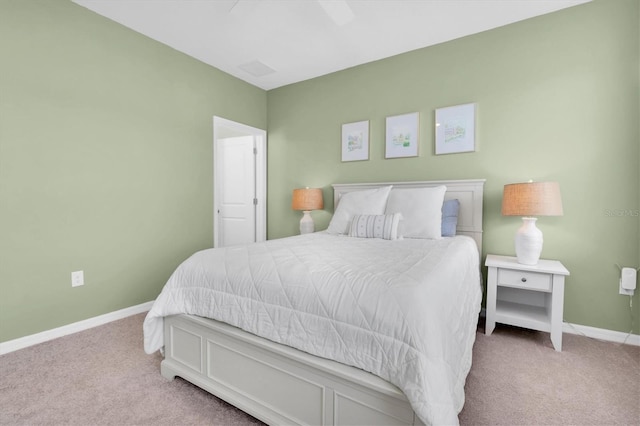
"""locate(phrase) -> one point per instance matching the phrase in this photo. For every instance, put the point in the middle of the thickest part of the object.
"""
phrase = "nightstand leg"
(492, 292)
(557, 305)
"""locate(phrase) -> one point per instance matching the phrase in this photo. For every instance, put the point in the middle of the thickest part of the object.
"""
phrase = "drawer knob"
(524, 280)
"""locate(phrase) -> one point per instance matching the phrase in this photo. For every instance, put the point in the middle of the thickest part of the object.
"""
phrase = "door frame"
(223, 128)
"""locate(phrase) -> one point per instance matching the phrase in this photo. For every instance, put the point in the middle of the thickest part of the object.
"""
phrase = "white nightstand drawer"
(525, 279)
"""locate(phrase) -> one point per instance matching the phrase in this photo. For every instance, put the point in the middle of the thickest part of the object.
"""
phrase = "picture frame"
(355, 141)
(455, 129)
(402, 136)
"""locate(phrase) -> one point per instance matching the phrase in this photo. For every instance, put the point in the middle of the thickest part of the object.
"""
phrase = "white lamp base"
(528, 242)
(306, 223)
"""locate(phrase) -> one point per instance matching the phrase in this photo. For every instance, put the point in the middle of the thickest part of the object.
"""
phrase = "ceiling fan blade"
(338, 10)
(233, 5)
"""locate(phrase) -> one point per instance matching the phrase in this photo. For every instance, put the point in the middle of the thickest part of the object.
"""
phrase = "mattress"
(404, 310)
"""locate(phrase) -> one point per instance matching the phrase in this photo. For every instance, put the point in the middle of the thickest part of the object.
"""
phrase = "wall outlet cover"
(77, 278)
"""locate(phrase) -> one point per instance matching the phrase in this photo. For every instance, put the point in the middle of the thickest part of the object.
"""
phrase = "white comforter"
(405, 310)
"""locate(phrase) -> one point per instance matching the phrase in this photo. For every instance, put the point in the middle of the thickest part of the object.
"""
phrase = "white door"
(239, 183)
(237, 186)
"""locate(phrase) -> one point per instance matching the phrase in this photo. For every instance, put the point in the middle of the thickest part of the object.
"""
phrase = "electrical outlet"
(625, 291)
(627, 281)
(77, 278)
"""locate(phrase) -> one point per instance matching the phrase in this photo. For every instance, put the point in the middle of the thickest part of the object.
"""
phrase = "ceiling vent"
(257, 69)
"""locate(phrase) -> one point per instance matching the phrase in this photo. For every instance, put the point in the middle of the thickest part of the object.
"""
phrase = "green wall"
(105, 162)
(557, 99)
(106, 148)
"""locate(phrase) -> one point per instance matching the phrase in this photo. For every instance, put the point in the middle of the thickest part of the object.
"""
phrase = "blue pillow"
(450, 210)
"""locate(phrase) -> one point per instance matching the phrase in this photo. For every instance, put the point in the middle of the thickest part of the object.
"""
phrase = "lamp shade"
(307, 199)
(532, 199)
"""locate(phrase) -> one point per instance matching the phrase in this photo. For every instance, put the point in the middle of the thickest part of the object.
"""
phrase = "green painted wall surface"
(557, 99)
(105, 149)
(105, 162)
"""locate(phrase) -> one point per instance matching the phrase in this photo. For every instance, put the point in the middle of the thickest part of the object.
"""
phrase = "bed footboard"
(275, 383)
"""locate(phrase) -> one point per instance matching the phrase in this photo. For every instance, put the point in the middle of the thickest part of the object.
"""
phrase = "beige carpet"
(103, 377)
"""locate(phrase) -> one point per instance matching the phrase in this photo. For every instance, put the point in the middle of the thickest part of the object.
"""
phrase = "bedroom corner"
(105, 162)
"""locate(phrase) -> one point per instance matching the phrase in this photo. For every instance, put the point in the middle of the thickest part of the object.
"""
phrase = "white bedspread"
(405, 310)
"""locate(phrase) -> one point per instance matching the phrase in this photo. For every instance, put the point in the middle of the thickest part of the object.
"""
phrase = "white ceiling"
(272, 43)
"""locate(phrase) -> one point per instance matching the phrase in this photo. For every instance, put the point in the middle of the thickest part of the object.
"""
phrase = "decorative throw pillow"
(369, 201)
(375, 226)
(421, 210)
(450, 209)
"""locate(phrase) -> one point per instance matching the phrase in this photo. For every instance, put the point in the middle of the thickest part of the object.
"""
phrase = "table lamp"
(527, 200)
(307, 199)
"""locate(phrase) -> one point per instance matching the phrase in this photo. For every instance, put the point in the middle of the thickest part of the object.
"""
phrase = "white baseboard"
(594, 333)
(34, 339)
(601, 334)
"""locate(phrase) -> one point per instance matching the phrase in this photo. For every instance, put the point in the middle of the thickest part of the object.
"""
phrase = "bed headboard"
(468, 191)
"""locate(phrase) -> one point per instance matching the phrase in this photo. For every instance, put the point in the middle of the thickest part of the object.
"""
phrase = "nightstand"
(529, 296)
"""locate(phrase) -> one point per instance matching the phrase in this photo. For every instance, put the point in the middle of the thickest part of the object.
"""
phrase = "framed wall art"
(355, 141)
(455, 129)
(402, 136)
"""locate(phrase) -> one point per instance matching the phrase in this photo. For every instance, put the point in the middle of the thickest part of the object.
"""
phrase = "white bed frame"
(281, 385)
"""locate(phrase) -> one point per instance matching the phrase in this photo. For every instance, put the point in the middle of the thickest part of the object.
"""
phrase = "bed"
(334, 329)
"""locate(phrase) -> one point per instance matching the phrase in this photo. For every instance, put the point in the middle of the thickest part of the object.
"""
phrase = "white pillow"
(421, 209)
(383, 226)
(369, 201)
